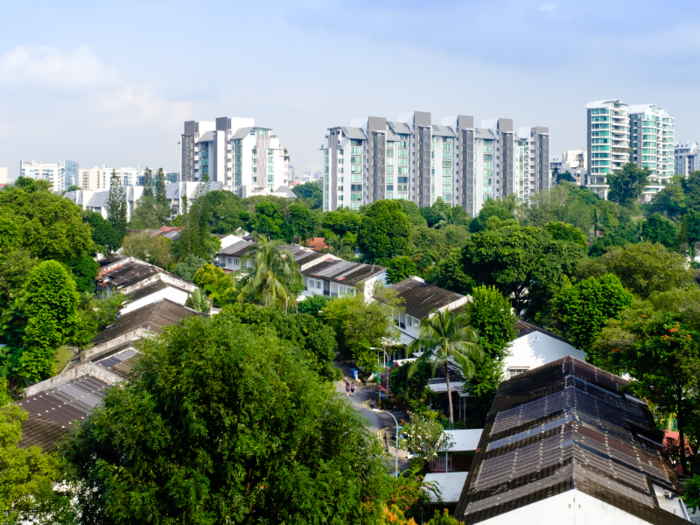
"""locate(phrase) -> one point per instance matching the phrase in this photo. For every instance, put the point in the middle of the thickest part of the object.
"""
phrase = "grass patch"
(61, 357)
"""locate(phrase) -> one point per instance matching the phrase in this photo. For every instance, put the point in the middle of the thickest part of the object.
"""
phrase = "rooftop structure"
(564, 444)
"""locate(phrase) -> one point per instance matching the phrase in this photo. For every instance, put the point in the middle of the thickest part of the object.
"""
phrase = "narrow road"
(379, 422)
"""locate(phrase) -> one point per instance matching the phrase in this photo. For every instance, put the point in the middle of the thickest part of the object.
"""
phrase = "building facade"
(61, 175)
(246, 159)
(4, 176)
(97, 179)
(416, 160)
(618, 133)
(687, 158)
(573, 161)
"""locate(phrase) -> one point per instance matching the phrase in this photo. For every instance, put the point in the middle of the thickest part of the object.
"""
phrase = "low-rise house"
(335, 277)
(54, 406)
(229, 257)
(418, 300)
(564, 444)
(169, 232)
(127, 278)
(534, 347)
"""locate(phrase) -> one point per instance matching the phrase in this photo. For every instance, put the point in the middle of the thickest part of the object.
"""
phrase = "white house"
(229, 256)
(335, 277)
(535, 347)
(418, 300)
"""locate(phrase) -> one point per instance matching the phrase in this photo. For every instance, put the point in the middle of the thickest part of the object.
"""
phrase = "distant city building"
(573, 161)
(61, 175)
(4, 176)
(618, 133)
(416, 160)
(292, 173)
(687, 158)
(233, 151)
(96, 178)
(172, 176)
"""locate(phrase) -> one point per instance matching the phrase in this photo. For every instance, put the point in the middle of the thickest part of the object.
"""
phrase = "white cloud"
(138, 104)
(50, 67)
(549, 7)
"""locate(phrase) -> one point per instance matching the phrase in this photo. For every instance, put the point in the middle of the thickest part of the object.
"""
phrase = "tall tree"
(580, 311)
(311, 193)
(161, 196)
(147, 183)
(627, 185)
(303, 222)
(385, 232)
(51, 301)
(443, 338)
(116, 205)
(269, 274)
(224, 424)
(104, 236)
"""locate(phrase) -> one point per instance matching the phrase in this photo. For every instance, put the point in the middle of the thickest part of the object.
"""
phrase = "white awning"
(464, 440)
(441, 388)
(450, 485)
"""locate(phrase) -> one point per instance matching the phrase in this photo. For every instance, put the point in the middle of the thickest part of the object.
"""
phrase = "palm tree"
(271, 276)
(445, 337)
(340, 248)
(454, 216)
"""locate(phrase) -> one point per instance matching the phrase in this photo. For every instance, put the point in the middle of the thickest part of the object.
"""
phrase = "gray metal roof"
(354, 133)
(237, 248)
(207, 137)
(98, 199)
(343, 272)
(289, 193)
(442, 131)
(241, 133)
(399, 127)
(420, 298)
(482, 133)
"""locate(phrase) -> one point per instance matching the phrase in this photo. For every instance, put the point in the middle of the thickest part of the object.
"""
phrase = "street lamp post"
(396, 448)
(388, 375)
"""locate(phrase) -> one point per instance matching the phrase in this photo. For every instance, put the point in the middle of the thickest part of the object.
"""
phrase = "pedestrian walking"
(352, 388)
(347, 390)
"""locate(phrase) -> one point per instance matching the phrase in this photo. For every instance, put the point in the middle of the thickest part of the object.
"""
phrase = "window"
(355, 169)
(356, 187)
(446, 154)
(401, 188)
(512, 372)
(390, 180)
(355, 151)
(403, 162)
(403, 180)
(390, 153)
(403, 171)
(403, 153)
(446, 163)
(403, 145)
(390, 187)
(356, 142)
(390, 170)
(355, 178)
(355, 196)
(235, 262)
(355, 160)
(390, 161)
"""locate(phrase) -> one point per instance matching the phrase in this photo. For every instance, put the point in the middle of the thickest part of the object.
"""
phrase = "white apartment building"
(574, 161)
(4, 176)
(416, 160)
(246, 159)
(618, 133)
(61, 175)
(96, 178)
(687, 158)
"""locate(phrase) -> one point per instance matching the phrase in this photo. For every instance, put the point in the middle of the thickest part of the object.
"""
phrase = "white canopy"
(464, 440)
(450, 485)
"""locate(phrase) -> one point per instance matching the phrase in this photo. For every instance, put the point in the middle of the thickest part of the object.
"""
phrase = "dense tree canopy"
(287, 448)
(311, 193)
(385, 232)
(627, 184)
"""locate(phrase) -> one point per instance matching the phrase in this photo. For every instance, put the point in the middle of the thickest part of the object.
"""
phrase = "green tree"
(566, 176)
(188, 267)
(627, 184)
(223, 208)
(84, 270)
(400, 268)
(671, 201)
(315, 341)
(642, 268)
(269, 274)
(94, 315)
(453, 216)
(663, 356)
(27, 476)
(302, 221)
(149, 214)
(691, 221)
(443, 338)
(51, 301)
(526, 264)
(154, 249)
(425, 436)
(198, 301)
(147, 182)
(313, 305)
(658, 229)
(340, 223)
(161, 197)
(288, 448)
(435, 213)
(196, 237)
(489, 209)
(268, 220)
(311, 193)
(385, 232)
(410, 391)
(104, 236)
(413, 213)
(116, 205)
(566, 232)
(491, 316)
(580, 311)
(208, 275)
(361, 326)
(449, 273)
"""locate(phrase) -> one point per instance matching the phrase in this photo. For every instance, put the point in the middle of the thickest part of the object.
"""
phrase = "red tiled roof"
(316, 244)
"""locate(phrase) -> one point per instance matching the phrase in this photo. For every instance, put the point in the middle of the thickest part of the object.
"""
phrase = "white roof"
(604, 103)
(464, 440)
(450, 485)
(438, 388)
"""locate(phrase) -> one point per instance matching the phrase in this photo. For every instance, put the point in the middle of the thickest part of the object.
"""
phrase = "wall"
(536, 349)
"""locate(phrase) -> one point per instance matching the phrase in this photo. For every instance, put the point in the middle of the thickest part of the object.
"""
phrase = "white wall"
(537, 349)
(570, 508)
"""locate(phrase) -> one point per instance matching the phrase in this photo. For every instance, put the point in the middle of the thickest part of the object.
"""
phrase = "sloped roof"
(354, 133)
(564, 426)
(153, 317)
(119, 363)
(420, 298)
(442, 131)
(237, 248)
(52, 413)
(399, 127)
(524, 328)
(156, 286)
(343, 272)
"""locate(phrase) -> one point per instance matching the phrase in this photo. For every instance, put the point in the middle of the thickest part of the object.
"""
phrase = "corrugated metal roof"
(354, 133)
(442, 131)
(562, 426)
(206, 137)
(482, 133)
(241, 133)
(344, 272)
(399, 127)
(420, 298)
(237, 248)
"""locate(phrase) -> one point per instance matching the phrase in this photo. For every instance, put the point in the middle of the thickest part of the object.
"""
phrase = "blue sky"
(113, 83)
